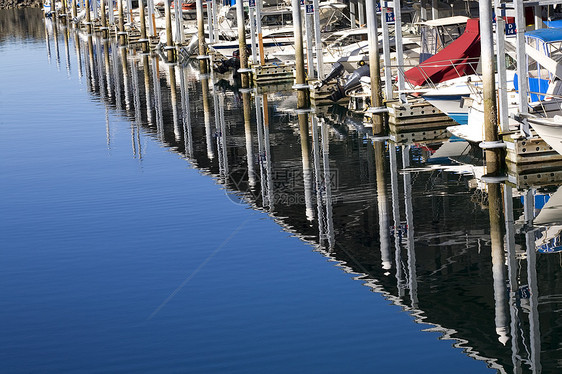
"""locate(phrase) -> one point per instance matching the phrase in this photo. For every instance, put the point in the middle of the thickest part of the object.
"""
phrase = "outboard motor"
(353, 82)
(223, 66)
(231, 63)
(337, 71)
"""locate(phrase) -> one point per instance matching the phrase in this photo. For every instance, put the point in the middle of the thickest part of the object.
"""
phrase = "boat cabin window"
(277, 18)
(435, 38)
(350, 39)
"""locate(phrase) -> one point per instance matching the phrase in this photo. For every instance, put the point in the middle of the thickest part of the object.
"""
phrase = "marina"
(169, 208)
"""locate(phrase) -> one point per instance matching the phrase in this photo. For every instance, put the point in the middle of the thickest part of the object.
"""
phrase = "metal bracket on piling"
(202, 57)
(492, 145)
(122, 33)
(380, 109)
(304, 110)
(379, 138)
(301, 86)
(245, 90)
(245, 70)
(493, 179)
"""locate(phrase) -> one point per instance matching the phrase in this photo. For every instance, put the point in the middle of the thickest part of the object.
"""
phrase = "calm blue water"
(115, 260)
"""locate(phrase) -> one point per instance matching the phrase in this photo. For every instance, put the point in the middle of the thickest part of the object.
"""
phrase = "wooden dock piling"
(122, 34)
(240, 20)
(170, 49)
(88, 17)
(303, 93)
(143, 39)
(104, 28)
(203, 66)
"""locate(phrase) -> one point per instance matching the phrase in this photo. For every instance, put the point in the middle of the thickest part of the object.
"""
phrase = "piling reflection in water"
(382, 203)
(147, 92)
(157, 95)
(186, 110)
(66, 49)
(306, 172)
(56, 43)
(534, 333)
(327, 196)
(396, 219)
(247, 108)
(207, 117)
(106, 64)
(408, 207)
(135, 125)
(498, 260)
(173, 97)
(427, 244)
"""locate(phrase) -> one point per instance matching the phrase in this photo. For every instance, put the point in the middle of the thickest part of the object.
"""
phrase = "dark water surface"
(148, 227)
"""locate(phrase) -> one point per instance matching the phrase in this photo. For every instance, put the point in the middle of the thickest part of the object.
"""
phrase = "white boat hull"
(550, 130)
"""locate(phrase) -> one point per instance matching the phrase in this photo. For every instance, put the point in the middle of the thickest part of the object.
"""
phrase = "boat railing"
(466, 67)
(551, 103)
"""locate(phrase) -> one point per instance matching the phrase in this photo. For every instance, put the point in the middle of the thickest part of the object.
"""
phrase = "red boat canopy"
(457, 59)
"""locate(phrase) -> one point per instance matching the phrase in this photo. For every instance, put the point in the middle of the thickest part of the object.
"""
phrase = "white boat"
(545, 97)
(277, 28)
(452, 97)
(549, 222)
(273, 40)
(549, 129)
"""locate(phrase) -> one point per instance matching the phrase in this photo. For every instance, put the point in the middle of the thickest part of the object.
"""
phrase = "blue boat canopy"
(554, 24)
(546, 35)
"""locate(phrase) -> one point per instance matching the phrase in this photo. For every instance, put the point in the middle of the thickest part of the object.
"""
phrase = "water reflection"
(413, 221)
(185, 107)
(207, 117)
(408, 207)
(66, 49)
